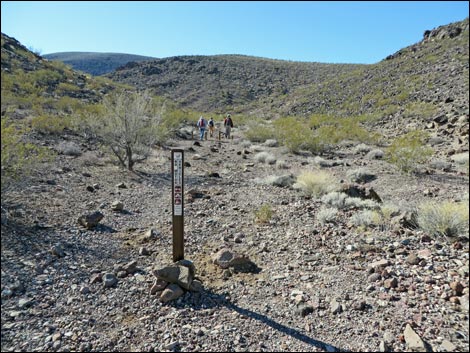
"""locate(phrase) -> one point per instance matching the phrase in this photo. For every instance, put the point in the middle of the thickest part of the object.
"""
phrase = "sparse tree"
(131, 124)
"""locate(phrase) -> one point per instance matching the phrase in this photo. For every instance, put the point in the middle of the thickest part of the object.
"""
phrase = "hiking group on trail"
(202, 124)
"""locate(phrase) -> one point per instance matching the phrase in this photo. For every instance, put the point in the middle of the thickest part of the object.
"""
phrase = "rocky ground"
(313, 286)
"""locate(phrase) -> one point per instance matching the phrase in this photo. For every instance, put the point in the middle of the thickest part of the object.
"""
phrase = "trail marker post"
(177, 200)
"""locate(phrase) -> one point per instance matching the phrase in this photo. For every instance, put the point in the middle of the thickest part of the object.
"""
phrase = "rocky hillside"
(26, 75)
(215, 83)
(433, 72)
(33, 86)
(95, 63)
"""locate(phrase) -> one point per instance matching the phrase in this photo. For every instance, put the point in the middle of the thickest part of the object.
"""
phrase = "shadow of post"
(208, 299)
(284, 329)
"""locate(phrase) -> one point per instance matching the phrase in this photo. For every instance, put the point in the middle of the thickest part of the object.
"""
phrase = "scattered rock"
(91, 220)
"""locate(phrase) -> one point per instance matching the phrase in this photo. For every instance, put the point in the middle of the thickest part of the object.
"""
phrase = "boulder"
(91, 220)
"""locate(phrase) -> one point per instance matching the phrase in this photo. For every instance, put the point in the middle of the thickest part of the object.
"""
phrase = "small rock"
(117, 206)
(171, 292)
(109, 280)
(412, 339)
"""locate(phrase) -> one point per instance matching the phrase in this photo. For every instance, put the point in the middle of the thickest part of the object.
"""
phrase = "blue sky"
(317, 31)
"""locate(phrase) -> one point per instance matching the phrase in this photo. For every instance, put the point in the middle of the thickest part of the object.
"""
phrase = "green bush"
(294, 134)
(51, 124)
(408, 151)
(18, 157)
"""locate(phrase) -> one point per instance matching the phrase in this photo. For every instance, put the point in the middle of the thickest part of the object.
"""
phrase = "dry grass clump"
(316, 183)
(447, 219)
(265, 157)
(281, 164)
(365, 218)
(462, 160)
(264, 214)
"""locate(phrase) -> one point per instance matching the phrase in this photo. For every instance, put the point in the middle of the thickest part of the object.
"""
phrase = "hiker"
(228, 124)
(211, 127)
(201, 124)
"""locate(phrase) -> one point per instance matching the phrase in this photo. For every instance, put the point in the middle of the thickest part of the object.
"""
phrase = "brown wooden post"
(177, 201)
(219, 134)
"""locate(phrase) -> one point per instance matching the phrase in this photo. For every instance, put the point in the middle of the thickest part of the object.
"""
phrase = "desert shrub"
(366, 218)
(335, 199)
(51, 124)
(259, 132)
(326, 215)
(18, 157)
(245, 144)
(265, 157)
(358, 203)
(271, 143)
(421, 109)
(361, 148)
(448, 219)
(409, 150)
(322, 162)
(281, 164)
(386, 213)
(130, 125)
(315, 183)
(462, 159)
(44, 77)
(440, 164)
(67, 87)
(286, 180)
(375, 154)
(294, 134)
(263, 214)
(69, 148)
(69, 105)
(340, 201)
(360, 175)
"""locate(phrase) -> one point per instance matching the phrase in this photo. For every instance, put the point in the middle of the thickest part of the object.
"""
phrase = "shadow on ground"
(207, 299)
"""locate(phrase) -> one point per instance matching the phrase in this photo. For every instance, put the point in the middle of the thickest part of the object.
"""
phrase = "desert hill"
(95, 63)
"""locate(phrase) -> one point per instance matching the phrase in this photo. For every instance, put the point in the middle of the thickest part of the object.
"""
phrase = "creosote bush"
(18, 156)
(408, 151)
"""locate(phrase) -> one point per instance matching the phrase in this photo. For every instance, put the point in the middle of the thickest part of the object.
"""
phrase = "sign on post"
(177, 193)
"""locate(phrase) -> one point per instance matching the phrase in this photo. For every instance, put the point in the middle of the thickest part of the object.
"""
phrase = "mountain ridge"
(95, 63)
